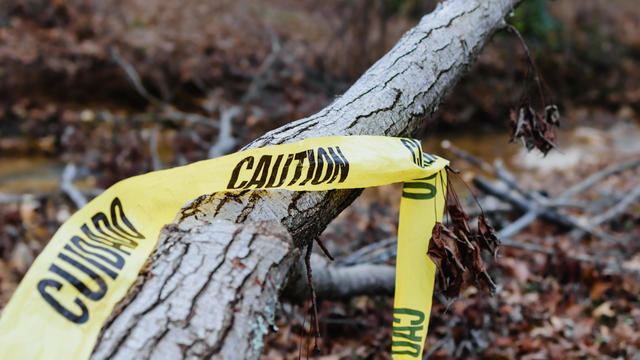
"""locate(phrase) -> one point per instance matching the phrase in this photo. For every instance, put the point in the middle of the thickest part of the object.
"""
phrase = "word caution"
(325, 165)
(72, 288)
(102, 248)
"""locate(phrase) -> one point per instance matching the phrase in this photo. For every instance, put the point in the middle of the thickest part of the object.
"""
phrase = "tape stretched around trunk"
(95, 256)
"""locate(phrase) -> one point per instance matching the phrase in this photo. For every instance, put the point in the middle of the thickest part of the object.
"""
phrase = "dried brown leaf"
(535, 130)
(552, 115)
(487, 237)
(443, 252)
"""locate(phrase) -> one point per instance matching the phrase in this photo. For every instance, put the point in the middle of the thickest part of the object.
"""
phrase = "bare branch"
(614, 212)
(134, 78)
(595, 178)
(476, 161)
(66, 185)
(156, 164)
(517, 226)
(226, 141)
(550, 215)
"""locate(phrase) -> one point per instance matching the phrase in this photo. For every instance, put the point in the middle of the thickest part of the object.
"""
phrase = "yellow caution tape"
(92, 260)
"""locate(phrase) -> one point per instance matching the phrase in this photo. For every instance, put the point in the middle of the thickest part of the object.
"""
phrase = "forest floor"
(68, 96)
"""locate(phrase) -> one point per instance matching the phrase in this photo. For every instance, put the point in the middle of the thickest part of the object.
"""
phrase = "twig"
(312, 289)
(133, 76)
(532, 62)
(516, 226)
(66, 184)
(619, 209)
(609, 264)
(508, 178)
(606, 200)
(547, 214)
(476, 161)
(613, 212)
(23, 198)
(173, 117)
(388, 247)
(20, 198)
(378, 252)
(360, 273)
(226, 141)
(583, 226)
(156, 164)
(526, 246)
(440, 343)
(517, 201)
(259, 80)
(595, 178)
(367, 253)
(536, 205)
(170, 113)
(498, 169)
(14, 198)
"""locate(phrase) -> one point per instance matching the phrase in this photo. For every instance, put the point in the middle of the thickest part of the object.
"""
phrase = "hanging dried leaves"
(444, 252)
(487, 238)
(534, 129)
(457, 251)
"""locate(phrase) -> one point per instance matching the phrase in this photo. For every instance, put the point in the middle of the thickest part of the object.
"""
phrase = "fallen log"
(211, 287)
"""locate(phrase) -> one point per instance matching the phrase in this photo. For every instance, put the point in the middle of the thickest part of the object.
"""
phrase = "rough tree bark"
(210, 289)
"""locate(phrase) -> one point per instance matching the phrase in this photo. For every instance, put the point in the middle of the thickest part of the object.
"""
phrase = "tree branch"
(230, 316)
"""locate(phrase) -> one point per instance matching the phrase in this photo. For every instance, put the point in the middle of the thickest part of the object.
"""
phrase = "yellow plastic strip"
(421, 206)
(92, 260)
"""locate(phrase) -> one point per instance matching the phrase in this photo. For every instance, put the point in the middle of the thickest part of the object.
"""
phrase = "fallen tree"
(211, 286)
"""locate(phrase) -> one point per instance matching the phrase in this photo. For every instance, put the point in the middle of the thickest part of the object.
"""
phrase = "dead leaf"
(535, 130)
(604, 309)
(598, 289)
(487, 237)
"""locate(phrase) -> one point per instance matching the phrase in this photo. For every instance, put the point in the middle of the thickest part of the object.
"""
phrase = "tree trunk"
(210, 288)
